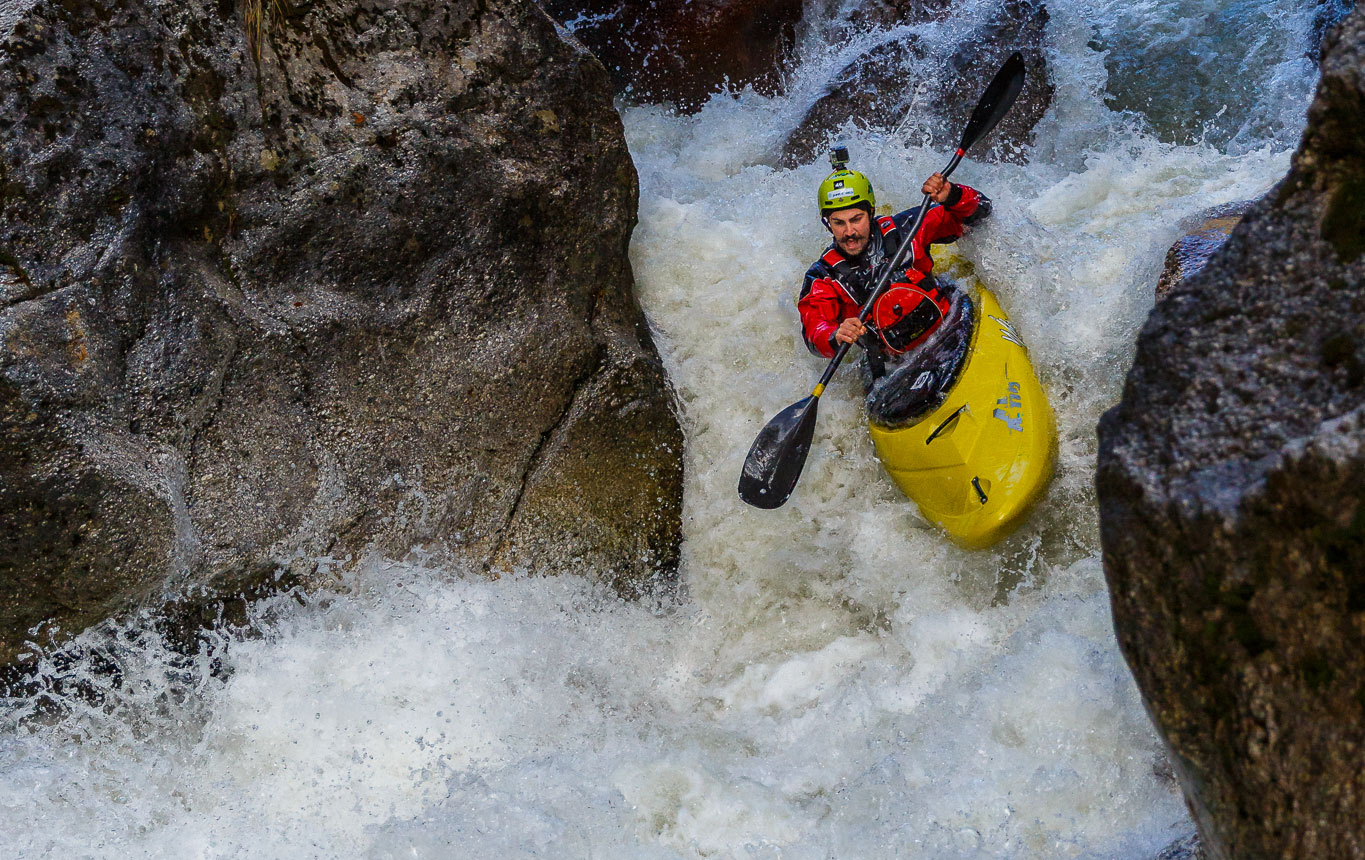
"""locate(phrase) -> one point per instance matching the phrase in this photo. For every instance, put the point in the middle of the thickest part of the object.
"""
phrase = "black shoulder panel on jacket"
(813, 274)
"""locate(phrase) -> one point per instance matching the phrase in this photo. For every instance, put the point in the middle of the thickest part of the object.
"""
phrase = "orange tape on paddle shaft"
(819, 389)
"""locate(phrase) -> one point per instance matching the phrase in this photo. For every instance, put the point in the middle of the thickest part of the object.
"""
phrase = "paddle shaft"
(907, 249)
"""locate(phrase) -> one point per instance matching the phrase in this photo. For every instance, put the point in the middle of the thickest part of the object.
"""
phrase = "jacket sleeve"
(980, 208)
(965, 203)
(944, 223)
(820, 314)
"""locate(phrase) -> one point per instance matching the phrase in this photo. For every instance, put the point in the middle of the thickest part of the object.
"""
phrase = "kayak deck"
(978, 462)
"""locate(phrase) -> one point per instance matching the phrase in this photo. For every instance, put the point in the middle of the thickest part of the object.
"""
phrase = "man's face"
(850, 228)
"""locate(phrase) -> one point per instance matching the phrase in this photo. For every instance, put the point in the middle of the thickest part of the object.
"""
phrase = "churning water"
(835, 680)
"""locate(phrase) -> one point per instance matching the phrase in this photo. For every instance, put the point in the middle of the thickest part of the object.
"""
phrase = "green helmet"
(844, 188)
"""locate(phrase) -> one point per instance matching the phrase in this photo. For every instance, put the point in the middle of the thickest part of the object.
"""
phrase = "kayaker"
(838, 283)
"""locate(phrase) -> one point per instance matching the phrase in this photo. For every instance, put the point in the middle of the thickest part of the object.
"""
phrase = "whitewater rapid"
(833, 679)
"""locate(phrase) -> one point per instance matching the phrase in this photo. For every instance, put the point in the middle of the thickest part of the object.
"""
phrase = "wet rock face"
(884, 14)
(1329, 14)
(1232, 503)
(1191, 251)
(927, 91)
(684, 51)
(1182, 849)
(369, 291)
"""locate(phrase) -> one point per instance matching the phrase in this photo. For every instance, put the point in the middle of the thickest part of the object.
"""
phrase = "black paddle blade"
(995, 101)
(774, 462)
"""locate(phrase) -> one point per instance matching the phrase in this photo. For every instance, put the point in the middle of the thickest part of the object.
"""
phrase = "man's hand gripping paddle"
(774, 463)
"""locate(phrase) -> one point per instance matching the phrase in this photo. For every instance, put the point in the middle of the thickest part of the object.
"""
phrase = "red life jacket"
(901, 317)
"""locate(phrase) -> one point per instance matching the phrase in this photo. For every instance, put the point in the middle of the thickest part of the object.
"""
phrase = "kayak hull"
(978, 463)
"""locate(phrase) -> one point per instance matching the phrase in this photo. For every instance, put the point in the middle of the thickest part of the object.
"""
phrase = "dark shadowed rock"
(1232, 502)
(685, 51)
(1328, 15)
(1191, 251)
(929, 91)
(884, 14)
(368, 291)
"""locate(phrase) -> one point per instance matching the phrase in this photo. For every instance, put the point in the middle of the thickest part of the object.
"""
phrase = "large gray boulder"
(927, 92)
(363, 290)
(685, 51)
(1232, 504)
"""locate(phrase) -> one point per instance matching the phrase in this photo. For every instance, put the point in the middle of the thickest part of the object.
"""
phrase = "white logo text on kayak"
(1012, 400)
(1007, 331)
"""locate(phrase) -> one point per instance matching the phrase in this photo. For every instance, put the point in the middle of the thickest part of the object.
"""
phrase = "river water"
(834, 679)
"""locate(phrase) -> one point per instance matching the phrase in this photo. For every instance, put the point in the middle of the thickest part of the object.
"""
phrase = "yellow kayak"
(963, 426)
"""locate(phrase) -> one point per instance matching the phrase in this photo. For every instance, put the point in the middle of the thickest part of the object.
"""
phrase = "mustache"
(853, 237)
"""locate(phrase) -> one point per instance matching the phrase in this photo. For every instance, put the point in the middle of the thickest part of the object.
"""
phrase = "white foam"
(837, 680)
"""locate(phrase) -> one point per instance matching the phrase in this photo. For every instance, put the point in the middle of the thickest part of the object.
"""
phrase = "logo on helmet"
(844, 188)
